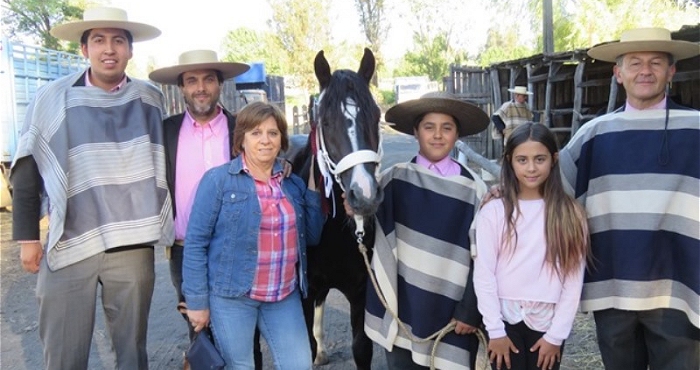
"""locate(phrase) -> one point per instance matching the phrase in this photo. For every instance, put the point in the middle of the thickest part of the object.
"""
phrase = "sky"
(202, 24)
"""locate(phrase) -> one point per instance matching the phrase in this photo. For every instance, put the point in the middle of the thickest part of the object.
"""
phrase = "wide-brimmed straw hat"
(522, 90)
(470, 118)
(195, 60)
(644, 39)
(104, 17)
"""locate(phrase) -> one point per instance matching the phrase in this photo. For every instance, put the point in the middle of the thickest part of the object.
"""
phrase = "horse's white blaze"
(360, 176)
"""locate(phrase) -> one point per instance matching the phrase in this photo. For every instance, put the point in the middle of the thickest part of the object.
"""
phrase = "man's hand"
(463, 328)
(30, 254)
(549, 354)
(198, 318)
(499, 351)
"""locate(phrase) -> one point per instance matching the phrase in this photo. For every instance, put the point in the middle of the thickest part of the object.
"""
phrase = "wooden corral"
(569, 88)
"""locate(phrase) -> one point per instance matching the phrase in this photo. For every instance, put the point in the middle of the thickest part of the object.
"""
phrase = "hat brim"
(169, 75)
(520, 92)
(470, 118)
(609, 52)
(74, 30)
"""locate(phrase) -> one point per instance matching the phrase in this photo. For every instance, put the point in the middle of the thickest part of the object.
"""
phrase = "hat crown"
(105, 14)
(198, 57)
(439, 95)
(646, 34)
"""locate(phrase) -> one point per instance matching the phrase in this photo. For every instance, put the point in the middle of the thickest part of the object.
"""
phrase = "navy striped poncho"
(422, 259)
(102, 160)
(642, 197)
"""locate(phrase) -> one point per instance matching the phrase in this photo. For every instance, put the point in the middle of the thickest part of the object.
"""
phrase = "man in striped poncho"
(92, 149)
(422, 246)
(637, 173)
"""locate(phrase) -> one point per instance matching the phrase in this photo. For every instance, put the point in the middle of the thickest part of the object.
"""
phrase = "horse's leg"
(321, 353)
(309, 305)
(362, 346)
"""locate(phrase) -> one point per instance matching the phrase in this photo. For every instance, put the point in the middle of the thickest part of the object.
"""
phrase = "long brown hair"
(566, 227)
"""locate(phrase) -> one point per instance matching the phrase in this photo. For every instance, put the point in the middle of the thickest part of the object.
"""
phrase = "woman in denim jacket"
(245, 256)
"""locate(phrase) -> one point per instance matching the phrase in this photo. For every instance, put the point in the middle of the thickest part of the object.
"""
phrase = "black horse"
(344, 148)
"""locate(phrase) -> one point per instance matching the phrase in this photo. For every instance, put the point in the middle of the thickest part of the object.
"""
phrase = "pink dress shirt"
(199, 148)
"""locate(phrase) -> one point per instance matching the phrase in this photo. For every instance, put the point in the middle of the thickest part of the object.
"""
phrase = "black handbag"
(202, 354)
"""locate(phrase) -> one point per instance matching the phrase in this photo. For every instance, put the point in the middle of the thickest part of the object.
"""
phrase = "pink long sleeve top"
(517, 285)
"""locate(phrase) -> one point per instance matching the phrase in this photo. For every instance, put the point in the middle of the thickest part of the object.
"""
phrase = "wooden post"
(578, 96)
(547, 27)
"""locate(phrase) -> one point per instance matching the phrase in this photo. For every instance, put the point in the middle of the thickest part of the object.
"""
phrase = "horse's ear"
(322, 69)
(367, 66)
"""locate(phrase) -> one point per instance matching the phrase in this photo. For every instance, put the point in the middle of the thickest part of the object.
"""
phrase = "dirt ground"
(20, 348)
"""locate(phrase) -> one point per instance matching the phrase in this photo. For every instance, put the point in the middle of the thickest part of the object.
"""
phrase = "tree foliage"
(516, 29)
(373, 23)
(247, 45)
(438, 39)
(35, 18)
(301, 29)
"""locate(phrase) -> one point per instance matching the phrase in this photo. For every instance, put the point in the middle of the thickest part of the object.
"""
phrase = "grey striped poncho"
(422, 259)
(642, 197)
(102, 160)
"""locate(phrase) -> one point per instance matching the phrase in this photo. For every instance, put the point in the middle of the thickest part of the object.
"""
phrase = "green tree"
(247, 45)
(301, 29)
(437, 28)
(35, 18)
(374, 25)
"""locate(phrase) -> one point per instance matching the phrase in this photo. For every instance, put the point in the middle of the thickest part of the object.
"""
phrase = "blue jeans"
(282, 324)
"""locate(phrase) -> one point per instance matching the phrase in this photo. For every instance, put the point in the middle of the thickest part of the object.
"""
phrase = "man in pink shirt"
(195, 141)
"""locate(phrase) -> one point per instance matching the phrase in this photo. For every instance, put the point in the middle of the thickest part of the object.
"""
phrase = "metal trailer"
(23, 70)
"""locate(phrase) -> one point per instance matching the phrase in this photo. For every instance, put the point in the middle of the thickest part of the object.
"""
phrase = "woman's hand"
(549, 354)
(499, 351)
(198, 318)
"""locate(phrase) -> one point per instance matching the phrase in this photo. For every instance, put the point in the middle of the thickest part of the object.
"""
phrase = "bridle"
(327, 166)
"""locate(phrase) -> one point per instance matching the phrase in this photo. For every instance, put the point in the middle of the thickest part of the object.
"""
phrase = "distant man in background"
(91, 148)
(512, 113)
(196, 140)
(636, 172)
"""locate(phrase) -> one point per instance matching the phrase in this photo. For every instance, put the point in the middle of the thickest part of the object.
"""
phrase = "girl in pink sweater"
(532, 246)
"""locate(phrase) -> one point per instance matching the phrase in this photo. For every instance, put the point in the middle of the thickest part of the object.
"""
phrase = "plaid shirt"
(275, 276)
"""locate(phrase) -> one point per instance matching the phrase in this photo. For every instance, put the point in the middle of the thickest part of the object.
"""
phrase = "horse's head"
(347, 131)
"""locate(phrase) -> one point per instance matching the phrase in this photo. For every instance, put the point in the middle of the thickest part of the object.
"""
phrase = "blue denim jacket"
(221, 243)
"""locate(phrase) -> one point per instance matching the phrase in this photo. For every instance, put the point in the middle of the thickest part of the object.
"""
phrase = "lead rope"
(438, 335)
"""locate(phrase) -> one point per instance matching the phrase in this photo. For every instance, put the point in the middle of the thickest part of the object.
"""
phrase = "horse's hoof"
(321, 359)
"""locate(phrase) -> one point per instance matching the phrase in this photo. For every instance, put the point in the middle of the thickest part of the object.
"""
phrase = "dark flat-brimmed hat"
(195, 60)
(644, 39)
(470, 118)
(104, 17)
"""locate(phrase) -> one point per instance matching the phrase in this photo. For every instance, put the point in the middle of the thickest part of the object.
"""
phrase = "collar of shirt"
(218, 125)
(659, 105)
(114, 89)
(443, 167)
(276, 169)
